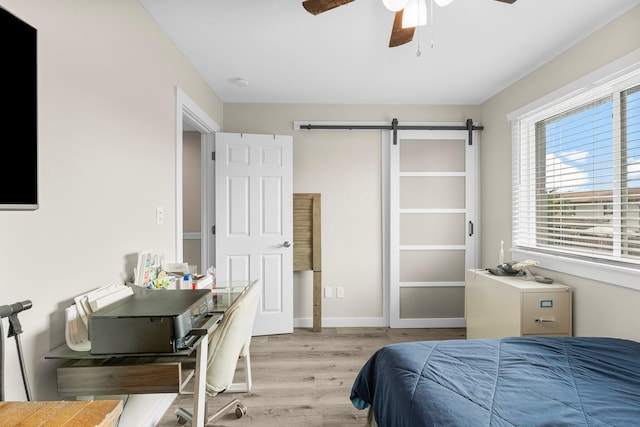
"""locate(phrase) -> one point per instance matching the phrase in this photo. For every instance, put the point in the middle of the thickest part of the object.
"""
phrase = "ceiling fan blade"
(316, 7)
(508, 1)
(399, 35)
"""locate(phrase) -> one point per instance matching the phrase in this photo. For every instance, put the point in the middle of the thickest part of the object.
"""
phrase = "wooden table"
(81, 413)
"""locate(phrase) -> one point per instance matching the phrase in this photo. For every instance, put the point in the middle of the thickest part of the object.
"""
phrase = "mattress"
(522, 381)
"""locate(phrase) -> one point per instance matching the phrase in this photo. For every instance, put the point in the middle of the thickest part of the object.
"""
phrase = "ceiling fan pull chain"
(419, 51)
(432, 29)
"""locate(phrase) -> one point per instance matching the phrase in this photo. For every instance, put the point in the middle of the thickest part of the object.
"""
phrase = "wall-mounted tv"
(18, 114)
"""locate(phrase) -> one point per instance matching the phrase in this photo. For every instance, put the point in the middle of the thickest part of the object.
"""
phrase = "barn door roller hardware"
(395, 127)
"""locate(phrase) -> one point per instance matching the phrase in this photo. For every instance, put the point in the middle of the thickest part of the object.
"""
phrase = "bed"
(525, 381)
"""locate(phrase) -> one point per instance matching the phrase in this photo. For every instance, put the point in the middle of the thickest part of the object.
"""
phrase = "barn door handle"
(470, 228)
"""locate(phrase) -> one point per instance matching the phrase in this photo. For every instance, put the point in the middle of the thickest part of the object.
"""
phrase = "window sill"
(609, 274)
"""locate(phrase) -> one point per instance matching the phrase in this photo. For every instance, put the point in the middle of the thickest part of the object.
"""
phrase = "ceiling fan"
(399, 35)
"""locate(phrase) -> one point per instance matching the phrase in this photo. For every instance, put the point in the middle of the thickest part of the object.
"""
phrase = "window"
(576, 189)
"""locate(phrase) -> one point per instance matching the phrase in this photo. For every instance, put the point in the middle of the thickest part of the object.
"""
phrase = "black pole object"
(15, 329)
(15, 308)
(395, 127)
(1, 362)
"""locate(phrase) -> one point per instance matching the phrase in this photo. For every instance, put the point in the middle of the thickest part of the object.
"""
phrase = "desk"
(84, 373)
(227, 294)
(99, 413)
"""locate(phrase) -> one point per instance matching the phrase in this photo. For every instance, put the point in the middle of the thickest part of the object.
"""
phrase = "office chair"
(228, 342)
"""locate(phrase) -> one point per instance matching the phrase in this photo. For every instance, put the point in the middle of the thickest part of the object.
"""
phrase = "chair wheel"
(183, 416)
(241, 410)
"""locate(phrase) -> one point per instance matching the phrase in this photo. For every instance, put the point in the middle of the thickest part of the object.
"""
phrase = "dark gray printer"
(149, 321)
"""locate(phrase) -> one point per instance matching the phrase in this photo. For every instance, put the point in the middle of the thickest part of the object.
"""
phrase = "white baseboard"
(378, 322)
(455, 322)
(343, 322)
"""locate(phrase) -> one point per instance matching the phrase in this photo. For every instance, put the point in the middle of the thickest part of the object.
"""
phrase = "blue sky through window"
(579, 147)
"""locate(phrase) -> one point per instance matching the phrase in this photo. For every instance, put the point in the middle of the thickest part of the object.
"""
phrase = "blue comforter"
(528, 381)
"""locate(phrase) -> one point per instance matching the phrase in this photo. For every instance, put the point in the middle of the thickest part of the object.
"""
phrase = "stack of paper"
(77, 316)
(76, 333)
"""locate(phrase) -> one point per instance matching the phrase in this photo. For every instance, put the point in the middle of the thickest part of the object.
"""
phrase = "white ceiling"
(341, 56)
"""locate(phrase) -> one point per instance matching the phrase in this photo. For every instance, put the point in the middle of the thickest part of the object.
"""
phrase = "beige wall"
(107, 80)
(345, 167)
(600, 309)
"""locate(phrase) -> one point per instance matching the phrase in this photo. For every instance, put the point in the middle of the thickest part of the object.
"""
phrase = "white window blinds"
(576, 169)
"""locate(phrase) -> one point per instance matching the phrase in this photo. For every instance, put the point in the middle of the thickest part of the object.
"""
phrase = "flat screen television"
(18, 114)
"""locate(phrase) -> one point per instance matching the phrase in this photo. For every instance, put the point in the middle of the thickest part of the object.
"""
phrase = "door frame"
(189, 113)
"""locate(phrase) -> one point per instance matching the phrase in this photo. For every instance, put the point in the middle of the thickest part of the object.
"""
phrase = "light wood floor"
(304, 379)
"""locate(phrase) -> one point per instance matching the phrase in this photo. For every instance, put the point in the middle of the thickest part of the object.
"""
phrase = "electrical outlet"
(340, 292)
(159, 215)
(328, 292)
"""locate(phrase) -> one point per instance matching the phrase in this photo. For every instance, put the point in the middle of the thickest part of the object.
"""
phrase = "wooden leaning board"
(81, 413)
(307, 246)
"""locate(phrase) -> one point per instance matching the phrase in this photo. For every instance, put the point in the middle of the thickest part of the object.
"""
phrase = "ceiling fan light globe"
(394, 5)
(443, 3)
(415, 14)
(242, 82)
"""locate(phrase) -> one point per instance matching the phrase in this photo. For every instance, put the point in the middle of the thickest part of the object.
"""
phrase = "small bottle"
(186, 282)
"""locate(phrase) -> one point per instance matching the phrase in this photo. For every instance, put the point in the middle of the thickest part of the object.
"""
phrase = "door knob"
(285, 244)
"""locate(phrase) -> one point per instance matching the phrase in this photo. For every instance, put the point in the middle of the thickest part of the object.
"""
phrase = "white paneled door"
(254, 221)
(432, 231)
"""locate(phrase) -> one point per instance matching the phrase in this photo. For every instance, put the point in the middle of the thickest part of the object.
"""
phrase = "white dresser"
(501, 306)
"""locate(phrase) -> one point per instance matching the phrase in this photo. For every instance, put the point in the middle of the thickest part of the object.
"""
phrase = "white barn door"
(254, 221)
(433, 227)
